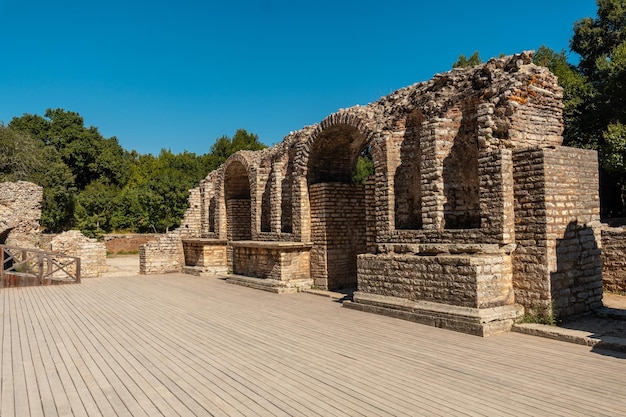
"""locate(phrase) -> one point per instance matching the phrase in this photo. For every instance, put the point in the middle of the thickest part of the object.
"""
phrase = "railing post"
(40, 267)
(3, 262)
(49, 270)
(78, 270)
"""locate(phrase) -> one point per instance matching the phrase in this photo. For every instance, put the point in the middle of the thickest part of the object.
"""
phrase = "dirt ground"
(122, 266)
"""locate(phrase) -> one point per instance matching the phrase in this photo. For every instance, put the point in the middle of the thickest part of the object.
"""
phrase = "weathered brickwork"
(20, 211)
(614, 259)
(92, 253)
(337, 232)
(473, 213)
(557, 263)
(478, 281)
(205, 256)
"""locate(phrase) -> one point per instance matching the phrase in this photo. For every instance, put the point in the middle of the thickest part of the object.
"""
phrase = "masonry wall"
(573, 230)
(92, 253)
(239, 226)
(479, 281)
(273, 263)
(557, 265)
(614, 259)
(20, 211)
(338, 233)
(531, 274)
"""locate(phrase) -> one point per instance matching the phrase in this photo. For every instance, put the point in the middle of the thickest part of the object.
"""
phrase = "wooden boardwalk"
(176, 345)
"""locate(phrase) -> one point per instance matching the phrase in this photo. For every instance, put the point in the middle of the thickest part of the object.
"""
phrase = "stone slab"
(479, 322)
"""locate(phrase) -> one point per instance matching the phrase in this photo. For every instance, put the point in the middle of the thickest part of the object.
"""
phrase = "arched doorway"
(337, 206)
(237, 199)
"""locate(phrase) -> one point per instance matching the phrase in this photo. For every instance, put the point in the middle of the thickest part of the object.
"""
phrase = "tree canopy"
(464, 62)
(594, 94)
(91, 183)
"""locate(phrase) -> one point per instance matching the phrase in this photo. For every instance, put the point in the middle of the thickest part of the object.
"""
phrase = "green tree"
(224, 147)
(578, 94)
(464, 62)
(601, 44)
(364, 167)
(89, 156)
(94, 208)
(26, 158)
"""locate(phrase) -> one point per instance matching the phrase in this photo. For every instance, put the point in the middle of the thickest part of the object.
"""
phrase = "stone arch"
(237, 186)
(337, 205)
(460, 168)
(334, 148)
(407, 176)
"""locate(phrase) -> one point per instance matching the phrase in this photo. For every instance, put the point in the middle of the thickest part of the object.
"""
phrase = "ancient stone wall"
(92, 253)
(473, 204)
(20, 212)
(557, 262)
(614, 259)
(338, 233)
(573, 230)
(462, 280)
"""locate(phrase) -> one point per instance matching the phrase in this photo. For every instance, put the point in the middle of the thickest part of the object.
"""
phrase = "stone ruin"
(20, 214)
(474, 213)
(20, 211)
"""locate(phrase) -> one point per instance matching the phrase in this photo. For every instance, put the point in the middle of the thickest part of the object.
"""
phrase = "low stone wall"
(204, 256)
(92, 253)
(162, 256)
(127, 243)
(281, 261)
(477, 281)
(614, 259)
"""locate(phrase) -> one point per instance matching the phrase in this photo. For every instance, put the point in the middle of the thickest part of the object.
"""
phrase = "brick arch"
(334, 146)
(333, 207)
(237, 191)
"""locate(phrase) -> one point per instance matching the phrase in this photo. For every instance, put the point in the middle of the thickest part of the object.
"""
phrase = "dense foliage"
(91, 183)
(594, 95)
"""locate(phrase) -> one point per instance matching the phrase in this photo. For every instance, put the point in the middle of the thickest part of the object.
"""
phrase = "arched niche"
(237, 199)
(407, 176)
(460, 169)
(337, 206)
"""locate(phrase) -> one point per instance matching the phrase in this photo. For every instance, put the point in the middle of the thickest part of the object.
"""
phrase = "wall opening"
(338, 226)
(286, 214)
(460, 170)
(238, 207)
(266, 210)
(212, 208)
(407, 177)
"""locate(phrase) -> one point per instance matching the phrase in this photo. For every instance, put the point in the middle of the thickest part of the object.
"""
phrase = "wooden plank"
(177, 345)
(7, 408)
(466, 336)
(46, 397)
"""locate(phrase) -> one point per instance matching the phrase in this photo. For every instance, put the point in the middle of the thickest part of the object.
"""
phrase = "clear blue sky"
(179, 74)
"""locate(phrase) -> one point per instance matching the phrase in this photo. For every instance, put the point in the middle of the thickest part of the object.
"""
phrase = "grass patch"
(539, 316)
(122, 252)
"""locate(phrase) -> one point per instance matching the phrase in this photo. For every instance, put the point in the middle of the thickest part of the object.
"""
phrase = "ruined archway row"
(430, 143)
(451, 179)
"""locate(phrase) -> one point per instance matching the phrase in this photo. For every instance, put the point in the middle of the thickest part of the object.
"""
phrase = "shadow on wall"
(576, 285)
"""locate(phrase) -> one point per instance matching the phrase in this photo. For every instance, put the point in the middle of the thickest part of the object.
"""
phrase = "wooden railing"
(21, 266)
